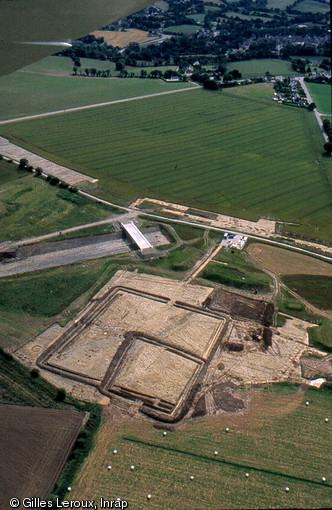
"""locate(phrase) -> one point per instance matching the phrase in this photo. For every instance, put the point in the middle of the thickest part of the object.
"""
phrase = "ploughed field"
(34, 440)
(233, 152)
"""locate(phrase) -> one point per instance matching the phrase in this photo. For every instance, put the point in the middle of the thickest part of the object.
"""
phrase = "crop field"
(279, 441)
(288, 262)
(251, 153)
(40, 445)
(30, 206)
(258, 67)
(321, 95)
(312, 6)
(123, 39)
(23, 93)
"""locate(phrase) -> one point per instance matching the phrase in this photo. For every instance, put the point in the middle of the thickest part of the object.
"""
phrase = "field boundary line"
(206, 458)
(97, 105)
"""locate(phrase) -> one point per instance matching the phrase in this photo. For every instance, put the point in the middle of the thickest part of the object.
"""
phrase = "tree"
(312, 106)
(328, 148)
(61, 395)
(34, 373)
(236, 74)
(120, 64)
(23, 163)
(210, 85)
(38, 171)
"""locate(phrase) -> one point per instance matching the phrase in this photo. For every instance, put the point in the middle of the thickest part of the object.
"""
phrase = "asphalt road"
(74, 255)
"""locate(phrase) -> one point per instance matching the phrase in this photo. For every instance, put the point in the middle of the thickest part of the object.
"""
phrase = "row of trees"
(54, 181)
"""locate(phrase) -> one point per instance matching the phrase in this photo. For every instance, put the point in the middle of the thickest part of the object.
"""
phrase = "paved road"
(316, 112)
(113, 219)
(97, 105)
(217, 229)
(74, 255)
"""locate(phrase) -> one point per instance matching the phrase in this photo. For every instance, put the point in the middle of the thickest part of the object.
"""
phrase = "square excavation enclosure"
(154, 373)
(137, 346)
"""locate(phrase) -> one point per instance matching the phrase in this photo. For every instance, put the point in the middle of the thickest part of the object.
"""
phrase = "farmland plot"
(254, 157)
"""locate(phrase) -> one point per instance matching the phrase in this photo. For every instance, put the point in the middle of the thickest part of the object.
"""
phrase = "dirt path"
(199, 266)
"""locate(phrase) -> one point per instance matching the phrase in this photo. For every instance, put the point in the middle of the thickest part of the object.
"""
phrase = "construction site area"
(169, 348)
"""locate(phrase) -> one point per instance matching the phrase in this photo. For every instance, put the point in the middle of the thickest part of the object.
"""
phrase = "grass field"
(232, 14)
(63, 66)
(312, 6)
(321, 336)
(236, 271)
(317, 290)
(30, 303)
(322, 97)
(25, 93)
(279, 4)
(182, 29)
(280, 442)
(258, 67)
(29, 207)
(254, 157)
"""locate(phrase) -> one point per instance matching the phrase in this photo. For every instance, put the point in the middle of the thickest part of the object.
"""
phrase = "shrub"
(34, 373)
(61, 395)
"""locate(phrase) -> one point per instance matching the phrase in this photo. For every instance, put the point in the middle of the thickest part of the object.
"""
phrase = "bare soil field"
(241, 306)
(283, 262)
(122, 39)
(34, 440)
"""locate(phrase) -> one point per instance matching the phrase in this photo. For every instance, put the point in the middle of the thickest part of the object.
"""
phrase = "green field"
(312, 6)
(236, 271)
(279, 4)
(258, 67)
(63, 66)
(24, 93)
(322, 96)
(321, 337)
(254, 157)
(317, 290)
(182, 29)
(32, 302)
(280, 442)
(30, 207)
(232, 14)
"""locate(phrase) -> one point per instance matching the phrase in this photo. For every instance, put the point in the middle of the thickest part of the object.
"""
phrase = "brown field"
(140, 372)
(283, 262)
(122, 39)
(34, 440)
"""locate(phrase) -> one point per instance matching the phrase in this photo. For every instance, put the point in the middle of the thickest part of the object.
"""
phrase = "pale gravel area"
(14, 152)
(261, 227)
